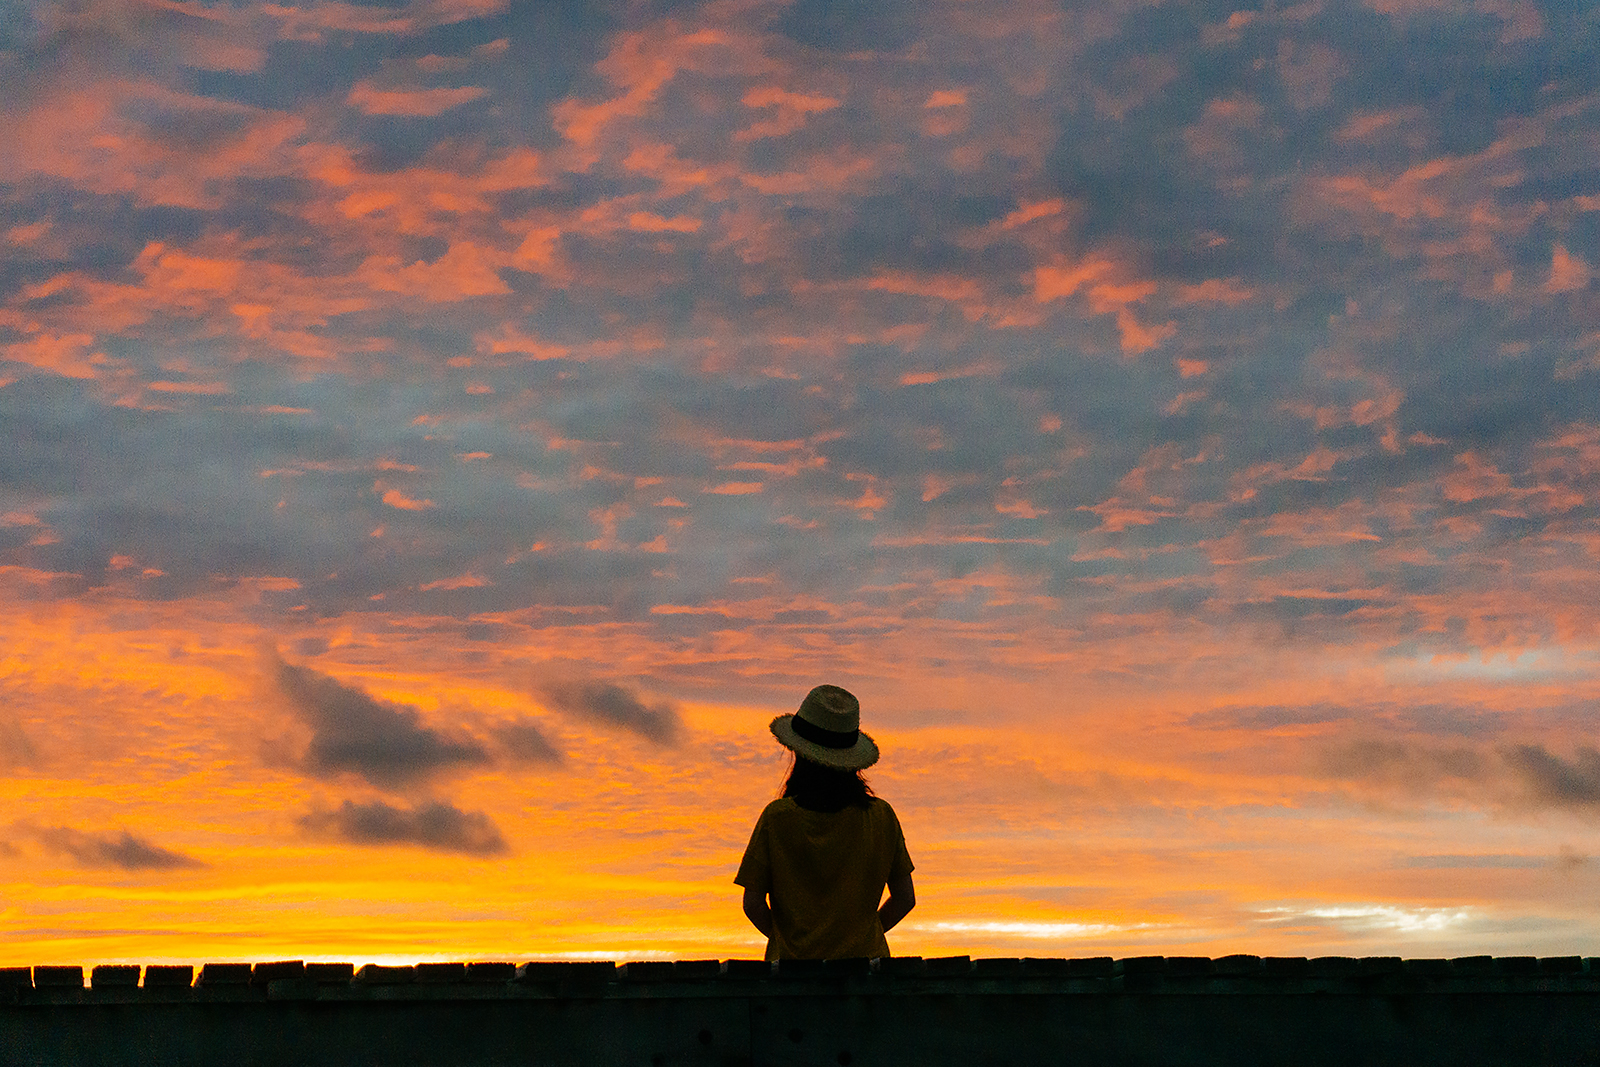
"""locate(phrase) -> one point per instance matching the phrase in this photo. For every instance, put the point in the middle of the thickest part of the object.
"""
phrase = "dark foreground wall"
(1143, 1011)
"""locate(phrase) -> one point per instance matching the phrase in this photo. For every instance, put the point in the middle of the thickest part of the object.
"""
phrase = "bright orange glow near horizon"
(437, 437)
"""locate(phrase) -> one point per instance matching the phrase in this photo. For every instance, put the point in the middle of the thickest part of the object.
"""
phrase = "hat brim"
(863, 754)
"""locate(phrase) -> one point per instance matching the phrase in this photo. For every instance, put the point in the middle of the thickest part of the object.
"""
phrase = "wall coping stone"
(66, 977)
(169, 975)
(114, 974)
(262, 973)
(218, 974)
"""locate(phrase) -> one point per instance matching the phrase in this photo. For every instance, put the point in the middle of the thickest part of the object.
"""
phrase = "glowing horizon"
(437, 437)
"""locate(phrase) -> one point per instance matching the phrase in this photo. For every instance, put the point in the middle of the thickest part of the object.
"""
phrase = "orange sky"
(436, 438)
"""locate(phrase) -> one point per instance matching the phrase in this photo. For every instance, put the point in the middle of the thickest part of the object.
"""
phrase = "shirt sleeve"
(900, 863)
(755, 870)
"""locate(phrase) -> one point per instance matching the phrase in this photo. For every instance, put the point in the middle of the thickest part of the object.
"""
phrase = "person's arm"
(756, 910)
(902, 898)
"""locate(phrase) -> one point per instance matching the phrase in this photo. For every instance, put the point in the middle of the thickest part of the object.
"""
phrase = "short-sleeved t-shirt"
(825, 872)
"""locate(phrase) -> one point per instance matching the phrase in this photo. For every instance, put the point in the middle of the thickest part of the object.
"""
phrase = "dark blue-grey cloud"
(1558, 782)
(124, 851)
(523, 741)
(1518, 775)
(352, 733)
(614, 705)
(16, 748)
(436, 825)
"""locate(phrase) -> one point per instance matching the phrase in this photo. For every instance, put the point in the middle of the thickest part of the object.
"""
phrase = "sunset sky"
(436, 437)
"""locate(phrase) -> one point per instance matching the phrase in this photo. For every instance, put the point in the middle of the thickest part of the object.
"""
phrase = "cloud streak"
(435, 825)
(614, 705)
(352, 733)
(123, 851)
(1557, 782)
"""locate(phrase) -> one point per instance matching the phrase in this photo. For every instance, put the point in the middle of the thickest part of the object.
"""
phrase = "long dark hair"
(819, 788)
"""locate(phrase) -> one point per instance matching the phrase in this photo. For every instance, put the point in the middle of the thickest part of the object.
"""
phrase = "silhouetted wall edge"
(1142, 1011)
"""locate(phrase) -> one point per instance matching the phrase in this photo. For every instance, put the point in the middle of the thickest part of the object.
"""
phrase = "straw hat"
(827, 730)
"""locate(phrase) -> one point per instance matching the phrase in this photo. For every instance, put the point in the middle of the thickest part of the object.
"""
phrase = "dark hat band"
(824, 737)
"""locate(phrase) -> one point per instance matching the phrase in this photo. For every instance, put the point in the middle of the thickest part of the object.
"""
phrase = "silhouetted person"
(821, 855)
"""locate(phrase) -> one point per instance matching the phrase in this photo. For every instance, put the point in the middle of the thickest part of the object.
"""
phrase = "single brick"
(1142, 965)
(1035, 967)
(114, 974)
(687, 969)
(441, 973)
(262, 973)
(1285, 966)
(491, 972)
(1553, 965)
(647, 971)
(1239, 965)
(543, 971)
(168, 976)
(58, 977)
(1375, 965)
(590, 974)
(1476, 966)
(997, 967)
(746, 969)
(858, 967)
(1092, 967)
(330, 973)
(948, 966)
(1517, 964)
(1429, 968)
(798, 969)
(378, 974)
(223, 974)
(899, 967)
(1334, 966)
(1189, 966)
(15, 976)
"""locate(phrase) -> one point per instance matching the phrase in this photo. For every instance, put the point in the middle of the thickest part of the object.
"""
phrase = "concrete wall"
(1153, 1010)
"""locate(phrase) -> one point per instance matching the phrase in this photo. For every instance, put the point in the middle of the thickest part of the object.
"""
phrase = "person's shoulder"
(780, 808)
(880, 810)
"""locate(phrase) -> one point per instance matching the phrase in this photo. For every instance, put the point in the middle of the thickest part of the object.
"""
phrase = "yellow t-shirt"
(825, 873)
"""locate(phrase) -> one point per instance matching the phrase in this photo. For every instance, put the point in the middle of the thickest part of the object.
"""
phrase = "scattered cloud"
(1552, 780)
(524, 741)
(353, 733)
(417, 102)
(613, 705)
(435, 825)
(16, 750)
(124, 850)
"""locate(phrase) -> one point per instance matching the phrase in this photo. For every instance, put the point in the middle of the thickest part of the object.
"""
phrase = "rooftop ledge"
(297, 980)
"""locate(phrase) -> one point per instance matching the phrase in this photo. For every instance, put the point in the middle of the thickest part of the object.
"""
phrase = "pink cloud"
(640, 65)
(1567, 271)
(65, 354)
(464, 271)
(462, 581)
(509, 338)
(1216, 290)
(310, 21)
(791, 111)
(364, 96)
(397, 499)
(649, 222)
